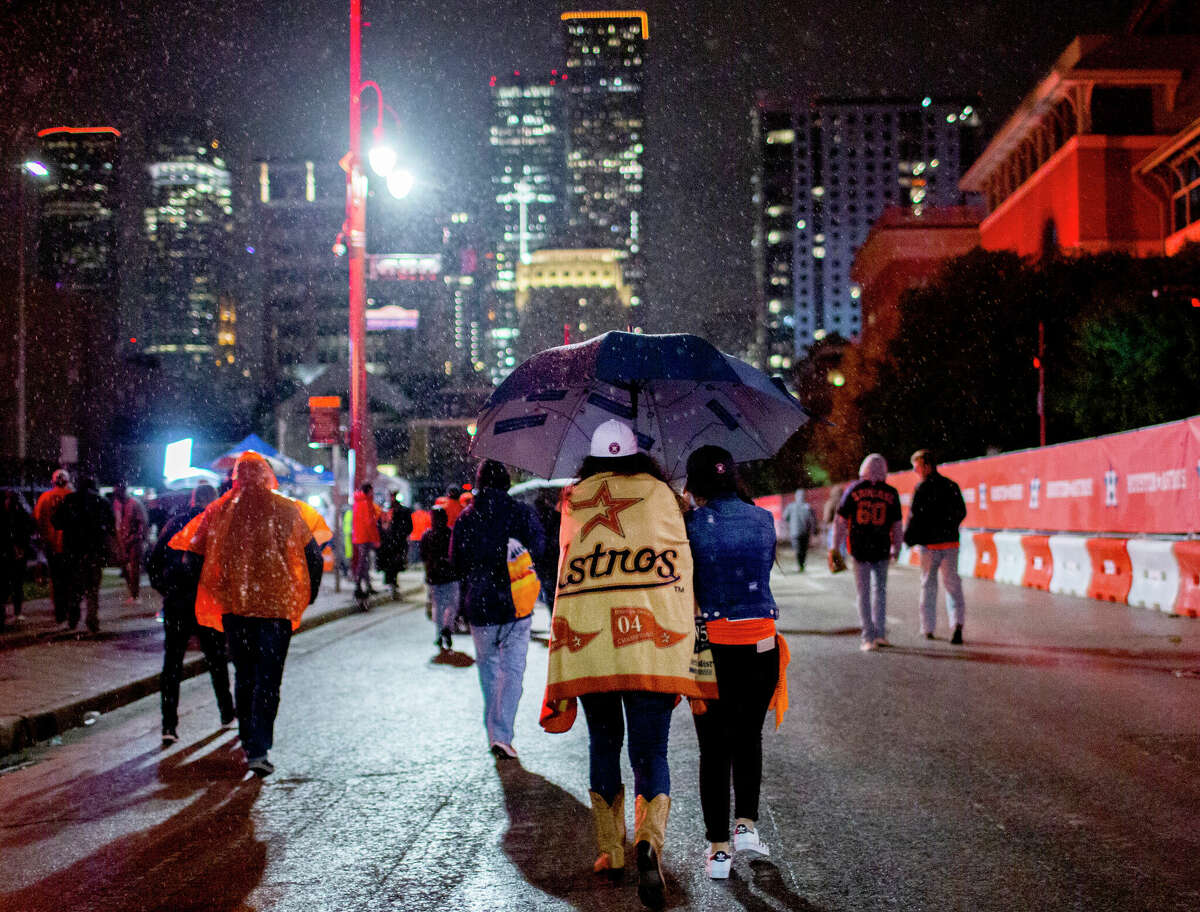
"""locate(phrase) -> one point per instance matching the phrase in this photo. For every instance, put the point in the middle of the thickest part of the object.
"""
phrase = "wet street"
(1052, 763)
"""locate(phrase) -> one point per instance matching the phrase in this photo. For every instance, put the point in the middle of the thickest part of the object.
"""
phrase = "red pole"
(1041, 402)
(566, 334)
(356, 241)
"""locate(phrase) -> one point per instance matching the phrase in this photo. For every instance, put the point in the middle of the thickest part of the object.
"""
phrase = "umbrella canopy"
(279, 464)
(677, 391)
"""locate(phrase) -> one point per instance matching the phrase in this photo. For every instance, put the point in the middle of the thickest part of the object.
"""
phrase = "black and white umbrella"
(677, 391)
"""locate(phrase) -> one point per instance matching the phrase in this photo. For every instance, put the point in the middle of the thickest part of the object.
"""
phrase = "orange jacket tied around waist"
(253, 542)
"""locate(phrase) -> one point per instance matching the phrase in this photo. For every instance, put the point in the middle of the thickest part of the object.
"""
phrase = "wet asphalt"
(1053, 762)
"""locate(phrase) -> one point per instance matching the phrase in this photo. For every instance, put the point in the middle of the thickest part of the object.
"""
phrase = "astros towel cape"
(624, 617)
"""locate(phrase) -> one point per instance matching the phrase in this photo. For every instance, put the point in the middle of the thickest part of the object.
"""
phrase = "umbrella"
(677, 391)
(278, 462)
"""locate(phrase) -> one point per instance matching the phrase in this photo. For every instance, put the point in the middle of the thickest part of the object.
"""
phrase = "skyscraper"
(77, 240)
(527, 176)
(605, 136)
(189, 318)
(846, 161)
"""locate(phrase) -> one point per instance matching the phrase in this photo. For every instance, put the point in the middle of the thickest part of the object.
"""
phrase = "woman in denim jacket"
(733, 547)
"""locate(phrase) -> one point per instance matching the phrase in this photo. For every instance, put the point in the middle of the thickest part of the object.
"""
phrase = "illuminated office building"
(824, 173)
(527, 176)
(605, 135)
(189, 316)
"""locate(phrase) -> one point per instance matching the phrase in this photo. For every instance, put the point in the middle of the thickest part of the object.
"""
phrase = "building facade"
(569, 296)
(605, 56)
(846, 160)
(528, 169)
(189, 317)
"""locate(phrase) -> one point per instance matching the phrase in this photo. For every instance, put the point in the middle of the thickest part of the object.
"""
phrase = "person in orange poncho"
(262, 568)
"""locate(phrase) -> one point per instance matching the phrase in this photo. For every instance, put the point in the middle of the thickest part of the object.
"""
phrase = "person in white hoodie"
(869, 517)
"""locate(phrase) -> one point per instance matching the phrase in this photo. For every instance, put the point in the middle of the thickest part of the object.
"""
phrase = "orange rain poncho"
(253, 542)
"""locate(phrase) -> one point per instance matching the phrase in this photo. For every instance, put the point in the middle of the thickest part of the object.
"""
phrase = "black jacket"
(175, 574)
(86, 521)
(479, 553)
(435, 552)
(936, 513)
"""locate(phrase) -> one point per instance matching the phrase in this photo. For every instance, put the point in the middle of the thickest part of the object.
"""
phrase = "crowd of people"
(654, 597)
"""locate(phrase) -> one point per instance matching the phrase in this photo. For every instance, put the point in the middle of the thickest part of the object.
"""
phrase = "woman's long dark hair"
(633, 464)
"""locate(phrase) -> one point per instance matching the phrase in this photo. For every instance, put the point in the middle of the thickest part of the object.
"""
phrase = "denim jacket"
(733, 547)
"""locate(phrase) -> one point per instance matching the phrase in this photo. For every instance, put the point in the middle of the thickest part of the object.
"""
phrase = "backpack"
(522, 578)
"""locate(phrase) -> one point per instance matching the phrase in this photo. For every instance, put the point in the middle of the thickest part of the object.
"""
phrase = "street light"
(38, 170)
(383, 161)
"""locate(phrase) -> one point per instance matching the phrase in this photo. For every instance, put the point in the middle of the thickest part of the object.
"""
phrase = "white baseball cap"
(613, 438)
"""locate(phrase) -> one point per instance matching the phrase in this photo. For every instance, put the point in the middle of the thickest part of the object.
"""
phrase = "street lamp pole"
(356, 243)
(21, 445)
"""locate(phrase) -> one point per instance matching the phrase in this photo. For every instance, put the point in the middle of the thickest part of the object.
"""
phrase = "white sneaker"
(504, 751)
(717, 864)
(867, 646)
(746, 840)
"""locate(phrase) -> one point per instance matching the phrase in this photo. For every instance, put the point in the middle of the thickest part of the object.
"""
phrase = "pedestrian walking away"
(16, 546)
(622, 641)
(56, 561)
(364, 538)
(733, 546)
(176, 575)
(441, 579)
(262, 568)
(936, 512)
(869, 519)
(801, 523)
(396, 527)
(129, 517)
(452, 503)
(86, 522)
(479, 545)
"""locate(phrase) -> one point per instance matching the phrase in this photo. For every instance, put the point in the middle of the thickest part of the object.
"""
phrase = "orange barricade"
(985, 555)
(1112, 571)
(1187, 553)
(1039, 564)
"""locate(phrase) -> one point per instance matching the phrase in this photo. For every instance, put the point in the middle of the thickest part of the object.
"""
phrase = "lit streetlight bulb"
(36, 168)
(400, 183)
(382, 158)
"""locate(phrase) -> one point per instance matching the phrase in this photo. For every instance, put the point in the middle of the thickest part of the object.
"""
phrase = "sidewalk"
(51, 678)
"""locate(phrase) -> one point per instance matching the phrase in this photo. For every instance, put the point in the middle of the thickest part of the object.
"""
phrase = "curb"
(20, 732)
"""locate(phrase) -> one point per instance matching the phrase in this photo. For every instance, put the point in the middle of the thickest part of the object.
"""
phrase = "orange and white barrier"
(1072, 565)
(1112, 571)
(1155, 574)
(985, 555)
(1039, 562)
(1187, 557)
(1010, 558)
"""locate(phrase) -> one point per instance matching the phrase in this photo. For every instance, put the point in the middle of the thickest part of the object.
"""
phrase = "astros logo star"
(608, 517)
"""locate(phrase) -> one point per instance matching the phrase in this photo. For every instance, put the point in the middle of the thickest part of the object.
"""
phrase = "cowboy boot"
(609, 822)
(650, 830)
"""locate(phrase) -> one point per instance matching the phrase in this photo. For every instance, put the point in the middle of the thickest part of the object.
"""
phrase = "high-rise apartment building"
(605, 136)
(189, 316)
(527, 177)
(845, 160)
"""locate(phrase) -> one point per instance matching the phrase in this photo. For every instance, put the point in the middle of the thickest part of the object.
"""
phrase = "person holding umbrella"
(733, 546)
(622, 640)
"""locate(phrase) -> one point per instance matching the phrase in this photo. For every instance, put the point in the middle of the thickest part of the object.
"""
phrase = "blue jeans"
(872, 600)
(500, 651)
(649, 718)
(444, 597)
(258, 647)
(944, 560)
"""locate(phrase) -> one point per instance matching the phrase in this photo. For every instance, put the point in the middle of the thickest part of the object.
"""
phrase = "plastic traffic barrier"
(1155, 574)
(985, 555)
(1039, 562)
(1072, 573)
(1187, 558)
(1010, 558)
(966, 552)
(1112, 572)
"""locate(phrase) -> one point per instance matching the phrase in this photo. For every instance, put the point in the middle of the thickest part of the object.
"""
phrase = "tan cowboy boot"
(609, 822)
(650, 830)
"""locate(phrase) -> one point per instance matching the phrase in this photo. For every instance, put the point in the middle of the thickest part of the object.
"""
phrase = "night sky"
(272, 77)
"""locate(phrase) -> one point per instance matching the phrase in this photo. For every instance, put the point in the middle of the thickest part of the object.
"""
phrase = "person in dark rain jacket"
(86, 522)
(16, 544)
(176, 576)
(479, 550)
